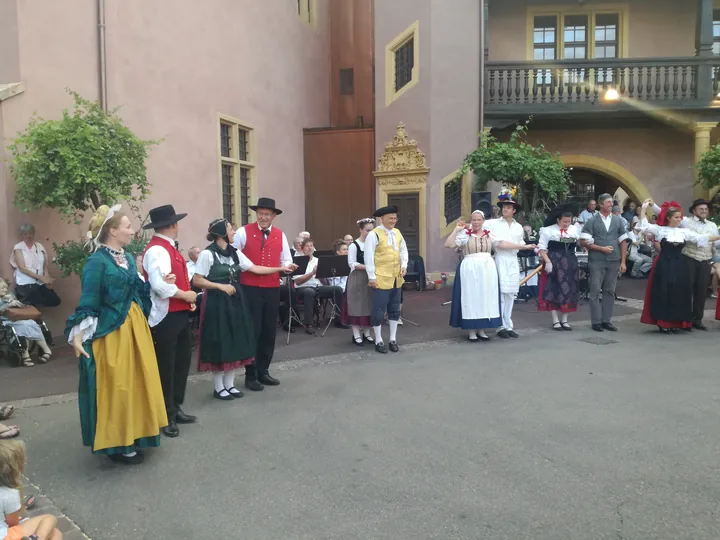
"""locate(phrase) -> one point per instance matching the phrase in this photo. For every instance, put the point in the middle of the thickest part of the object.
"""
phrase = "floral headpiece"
(94, 241)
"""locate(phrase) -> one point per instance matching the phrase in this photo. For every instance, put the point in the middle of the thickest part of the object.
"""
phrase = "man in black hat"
(169, 317)
(386, 260)
(264, 245)
(699, 258)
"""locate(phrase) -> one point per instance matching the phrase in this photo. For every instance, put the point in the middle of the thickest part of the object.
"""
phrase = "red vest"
(177, 267)
(269, 255)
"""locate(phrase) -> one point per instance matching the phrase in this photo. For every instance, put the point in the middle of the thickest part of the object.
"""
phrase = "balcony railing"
(677, 80)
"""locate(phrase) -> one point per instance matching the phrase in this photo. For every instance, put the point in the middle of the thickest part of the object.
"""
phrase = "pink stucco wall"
(173, 68)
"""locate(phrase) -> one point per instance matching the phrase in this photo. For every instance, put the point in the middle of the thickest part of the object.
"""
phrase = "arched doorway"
(593, 176)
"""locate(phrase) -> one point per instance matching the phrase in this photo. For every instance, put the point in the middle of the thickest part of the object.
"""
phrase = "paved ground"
(60, 375)
(545, 437)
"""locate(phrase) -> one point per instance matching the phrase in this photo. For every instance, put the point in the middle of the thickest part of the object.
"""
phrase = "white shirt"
(34, 258)
(9, 504)
(676, 235)
(502, 231)
(285, 256)
(707, 227)
(371, 243)
(313, 281)
(191, 270)
(553, 233)
(207, 258)
(157, 264)
(337, 282)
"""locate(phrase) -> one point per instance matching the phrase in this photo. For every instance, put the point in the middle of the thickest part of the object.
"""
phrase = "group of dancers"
(131, 329)
(485, 289)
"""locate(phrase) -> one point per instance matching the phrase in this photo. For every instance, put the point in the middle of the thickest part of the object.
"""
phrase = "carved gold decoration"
(412, 180)
(402, 154)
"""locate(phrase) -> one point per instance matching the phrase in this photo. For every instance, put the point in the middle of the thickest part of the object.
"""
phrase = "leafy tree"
(75, 164)
(540, 177)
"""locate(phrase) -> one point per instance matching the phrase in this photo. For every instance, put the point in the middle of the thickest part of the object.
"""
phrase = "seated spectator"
(629, 210)
(12, 465)
(340, 247)
(28, 329)
(308, 287)
(642, 262)
(33, 284)
(193, 254)
(348, 239)
(296, 250)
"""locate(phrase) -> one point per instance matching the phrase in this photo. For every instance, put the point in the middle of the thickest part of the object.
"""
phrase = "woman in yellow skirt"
(120, 396)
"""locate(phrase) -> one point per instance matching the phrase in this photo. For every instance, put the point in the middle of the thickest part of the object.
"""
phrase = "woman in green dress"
(227, 340)
(120, 397)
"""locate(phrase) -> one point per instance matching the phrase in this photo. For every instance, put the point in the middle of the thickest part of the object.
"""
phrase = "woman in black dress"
(227, 339)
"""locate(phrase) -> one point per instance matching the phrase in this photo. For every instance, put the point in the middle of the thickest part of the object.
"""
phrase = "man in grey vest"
(604, 235)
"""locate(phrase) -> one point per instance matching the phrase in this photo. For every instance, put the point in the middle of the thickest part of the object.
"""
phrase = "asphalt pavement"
(572, 435)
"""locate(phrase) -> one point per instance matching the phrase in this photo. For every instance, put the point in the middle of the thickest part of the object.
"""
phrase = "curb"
(44, 505)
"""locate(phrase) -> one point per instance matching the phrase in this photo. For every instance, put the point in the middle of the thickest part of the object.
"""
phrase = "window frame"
(244, 171)
(410, 33)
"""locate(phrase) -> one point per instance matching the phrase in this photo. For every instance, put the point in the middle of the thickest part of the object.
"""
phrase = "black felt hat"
(268, 204)
(385, 210)
(163, 216)
(698, 202)
(556, 212)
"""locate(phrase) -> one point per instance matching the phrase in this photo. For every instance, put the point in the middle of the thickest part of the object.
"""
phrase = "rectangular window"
(228, 192)
(545, 38)
(716, 32)
(606, 36)
(236, 170)
(575, 37)
(404, 63)
(347, 81)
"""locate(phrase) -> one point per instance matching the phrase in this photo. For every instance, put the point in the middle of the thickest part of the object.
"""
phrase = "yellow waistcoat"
(387, 260)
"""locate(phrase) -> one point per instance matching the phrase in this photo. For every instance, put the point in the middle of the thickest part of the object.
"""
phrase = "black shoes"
(234, 392)
(394, 346)
(504, 334)
(597, 327)
(609, 326)
(513, 334)
(267, 380)
(339, 324)
(566, 326)
(182, 418)
(227, 397)
(360, 343)
(381, 348)
(699, 326)
(253, 385)
(137, 459)
(171, 430)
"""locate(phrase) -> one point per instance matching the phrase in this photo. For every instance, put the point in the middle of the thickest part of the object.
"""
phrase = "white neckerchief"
(390, 237)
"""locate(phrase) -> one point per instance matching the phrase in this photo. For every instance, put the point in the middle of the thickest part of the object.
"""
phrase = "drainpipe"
(101, 54)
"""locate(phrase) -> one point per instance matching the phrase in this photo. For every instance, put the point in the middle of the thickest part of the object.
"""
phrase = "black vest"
(360, 253)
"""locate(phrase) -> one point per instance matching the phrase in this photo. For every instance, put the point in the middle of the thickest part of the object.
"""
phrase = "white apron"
(479, 282)
(508, 270)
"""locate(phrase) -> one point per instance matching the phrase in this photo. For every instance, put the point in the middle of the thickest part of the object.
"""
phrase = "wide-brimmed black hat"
(385, 210)
(268, 204)
(163, 216)
(556, 212)
(698, 202)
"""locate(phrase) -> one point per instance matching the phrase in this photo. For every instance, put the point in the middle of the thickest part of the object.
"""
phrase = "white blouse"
(206, 260)
(553, 233)
(34, 258)
(676, 235)
(353, 253)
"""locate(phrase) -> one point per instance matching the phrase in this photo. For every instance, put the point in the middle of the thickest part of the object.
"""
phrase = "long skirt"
(227, 336)
(120, 396)
(357, 300)
(668, 297)
(559, 290)
(476, 294)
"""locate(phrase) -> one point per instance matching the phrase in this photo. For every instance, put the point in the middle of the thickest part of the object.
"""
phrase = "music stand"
(302, 264)
(332, 267)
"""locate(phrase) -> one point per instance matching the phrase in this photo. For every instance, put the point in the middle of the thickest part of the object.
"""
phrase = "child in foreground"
(12, 464)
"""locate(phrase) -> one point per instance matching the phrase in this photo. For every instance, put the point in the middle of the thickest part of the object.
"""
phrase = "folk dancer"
(169, 317)
(357, 304)
(697, 257)
(509, 240)
(604, 235)
(476, 297)
(227, 336)
(559, 283)
(668, 297)
(120, 395)
(268, 246)
(386, 259)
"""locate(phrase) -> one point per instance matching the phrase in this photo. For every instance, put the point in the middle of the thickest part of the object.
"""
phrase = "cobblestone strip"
(45, 506)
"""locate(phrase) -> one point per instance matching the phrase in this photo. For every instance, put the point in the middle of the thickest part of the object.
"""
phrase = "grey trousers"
(603, 278)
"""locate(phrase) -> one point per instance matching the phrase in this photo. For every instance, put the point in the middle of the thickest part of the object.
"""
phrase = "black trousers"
(171, 337)
(699, 282)
(308, 294)
(264, 305)
(37, 295)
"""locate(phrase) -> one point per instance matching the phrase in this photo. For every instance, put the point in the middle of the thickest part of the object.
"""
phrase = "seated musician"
(308, 287)
(340, 247)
